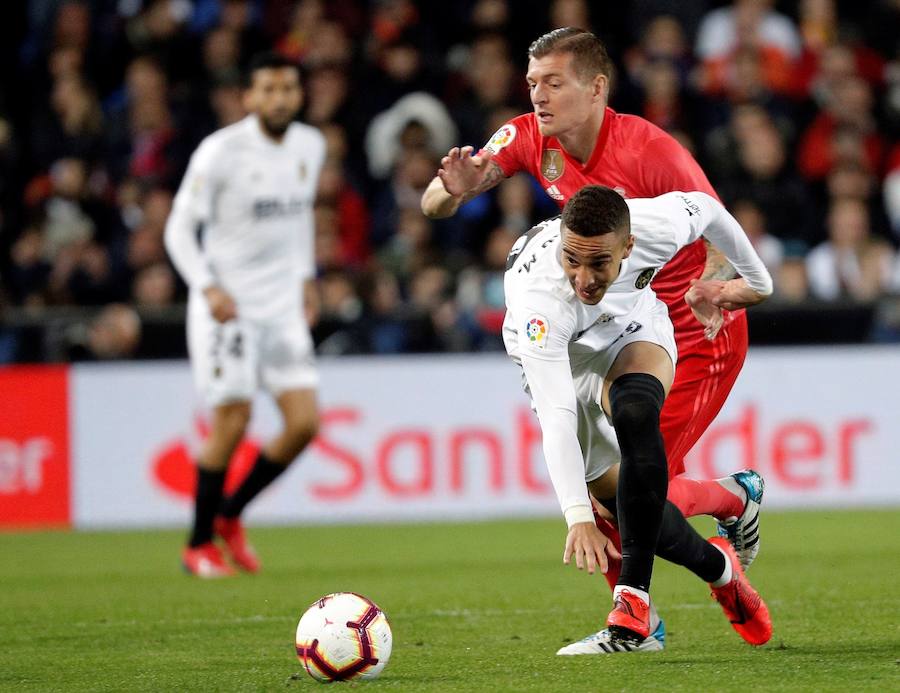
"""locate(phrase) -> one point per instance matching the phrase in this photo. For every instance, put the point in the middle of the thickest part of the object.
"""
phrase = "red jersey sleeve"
(671, 167)
(513, 145)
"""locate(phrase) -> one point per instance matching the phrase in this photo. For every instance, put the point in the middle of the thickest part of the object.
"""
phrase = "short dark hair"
(595, 210)
(268, 60)
(589, 56)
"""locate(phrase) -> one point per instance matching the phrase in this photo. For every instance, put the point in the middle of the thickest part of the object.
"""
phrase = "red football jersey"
(635, 158)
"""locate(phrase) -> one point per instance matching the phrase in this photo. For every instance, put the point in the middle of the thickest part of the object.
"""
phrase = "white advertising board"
(433, 438)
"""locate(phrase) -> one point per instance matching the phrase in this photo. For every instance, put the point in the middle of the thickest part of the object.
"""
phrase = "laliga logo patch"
(536, 329)
(501, 138)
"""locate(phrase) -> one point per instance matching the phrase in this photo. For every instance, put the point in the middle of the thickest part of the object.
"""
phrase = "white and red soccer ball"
(344, 636)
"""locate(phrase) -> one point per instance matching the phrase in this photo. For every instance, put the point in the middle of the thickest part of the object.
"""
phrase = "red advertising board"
(34, 447)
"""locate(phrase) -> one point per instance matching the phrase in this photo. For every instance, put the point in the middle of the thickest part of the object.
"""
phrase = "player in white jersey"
(596, 347)
(241, 234)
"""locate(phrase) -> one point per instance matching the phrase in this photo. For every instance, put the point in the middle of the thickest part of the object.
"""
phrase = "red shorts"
(704, 376)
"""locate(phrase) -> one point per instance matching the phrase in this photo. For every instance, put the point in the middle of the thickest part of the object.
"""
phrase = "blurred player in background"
(571, 139)
(595, 344)
(241, 235)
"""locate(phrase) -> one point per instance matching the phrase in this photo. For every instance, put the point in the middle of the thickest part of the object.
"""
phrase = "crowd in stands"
(792, 108)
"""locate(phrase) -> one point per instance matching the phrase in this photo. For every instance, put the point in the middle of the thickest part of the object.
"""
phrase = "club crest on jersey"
(536, 329)
(552, 164)
(501, 138)
(644, 278)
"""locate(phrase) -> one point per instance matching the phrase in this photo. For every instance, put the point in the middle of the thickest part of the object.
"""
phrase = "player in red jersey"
(571, 139)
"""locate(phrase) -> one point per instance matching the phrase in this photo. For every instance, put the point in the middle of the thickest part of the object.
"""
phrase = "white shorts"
(232, 360)
(596, 434)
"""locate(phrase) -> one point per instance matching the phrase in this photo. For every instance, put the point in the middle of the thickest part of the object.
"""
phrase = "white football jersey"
(254, 199)
(553, 335)
(546, 319)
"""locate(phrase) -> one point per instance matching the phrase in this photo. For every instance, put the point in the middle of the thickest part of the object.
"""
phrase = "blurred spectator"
(352, 222)
(340, 323)
(765, 177)
(159, 32)
(411, 247)
(115, 333)
(297, 40)
(73, 127)
(489, 54)
(29, 269)
(725, 29)
(570, 13)
(221, 55)
(143, 126)
(411, 176)
(417, 121)
(480, 289)
(892, 193)
(851, 263)
(154, 286)
(329, 46)
(662, 43)
(845, 131)
(791, 282)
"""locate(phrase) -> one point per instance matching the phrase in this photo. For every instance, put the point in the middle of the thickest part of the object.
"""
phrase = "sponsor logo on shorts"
(552, 164)
(644, 278)
(501, 138)
(536, 329)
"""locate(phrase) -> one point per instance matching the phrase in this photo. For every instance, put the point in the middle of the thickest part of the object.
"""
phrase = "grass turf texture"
(474, 607)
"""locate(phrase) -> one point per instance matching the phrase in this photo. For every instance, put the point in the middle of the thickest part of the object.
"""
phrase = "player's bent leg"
(742, 531)
(229, 422)
(635, 400)
(721, 498)
(743, 606)
(706, 373)
(300, 416)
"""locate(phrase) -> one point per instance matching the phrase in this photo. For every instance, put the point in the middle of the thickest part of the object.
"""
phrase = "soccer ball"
(344, 636)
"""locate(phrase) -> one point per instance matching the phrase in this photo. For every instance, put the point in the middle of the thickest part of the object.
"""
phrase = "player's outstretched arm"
(461, 177)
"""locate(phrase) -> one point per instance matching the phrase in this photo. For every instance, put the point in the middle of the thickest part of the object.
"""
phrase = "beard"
(275, 127)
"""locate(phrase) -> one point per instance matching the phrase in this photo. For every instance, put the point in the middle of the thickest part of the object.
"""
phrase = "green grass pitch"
(474, 607)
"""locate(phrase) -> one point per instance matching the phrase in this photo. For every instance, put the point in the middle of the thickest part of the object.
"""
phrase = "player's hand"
(700, 297)
(735, 294)
(221, 305)
(732, 294)
(461, 172)
(590, 547)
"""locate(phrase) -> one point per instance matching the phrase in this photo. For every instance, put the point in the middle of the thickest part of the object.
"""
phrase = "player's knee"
(234, 417)
(302, 430)
(636, 400)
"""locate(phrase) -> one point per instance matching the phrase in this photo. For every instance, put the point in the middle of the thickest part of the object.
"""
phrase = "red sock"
(704, 497)
(614, 566)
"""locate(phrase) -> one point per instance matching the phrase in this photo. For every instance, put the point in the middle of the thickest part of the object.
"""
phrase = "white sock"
(645, 596)
(654, 617)
(729, 571)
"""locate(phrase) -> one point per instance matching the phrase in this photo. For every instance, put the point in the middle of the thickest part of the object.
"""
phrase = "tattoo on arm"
(717, 265)
(493, 176)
